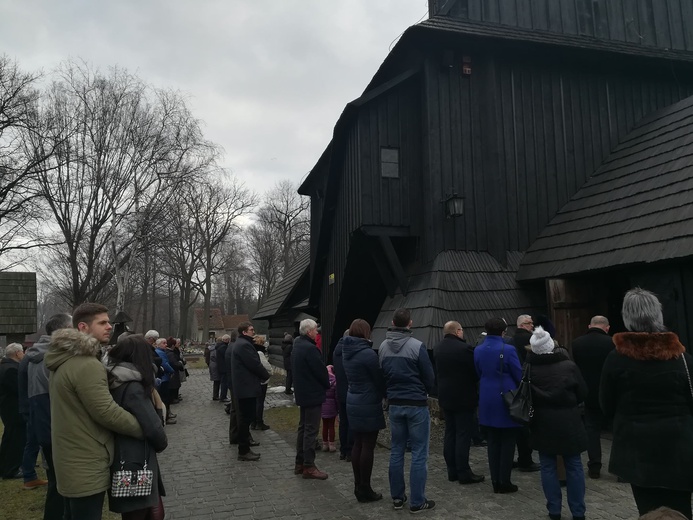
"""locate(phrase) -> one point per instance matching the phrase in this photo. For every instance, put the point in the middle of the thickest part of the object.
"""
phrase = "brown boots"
(314, 473)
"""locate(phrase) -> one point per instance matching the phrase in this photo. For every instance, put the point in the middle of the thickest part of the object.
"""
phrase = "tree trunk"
(208, 296)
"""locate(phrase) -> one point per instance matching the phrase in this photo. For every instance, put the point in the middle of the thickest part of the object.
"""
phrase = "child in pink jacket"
(330, 410)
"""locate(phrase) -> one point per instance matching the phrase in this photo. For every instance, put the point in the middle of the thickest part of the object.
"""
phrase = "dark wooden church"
(510, 157)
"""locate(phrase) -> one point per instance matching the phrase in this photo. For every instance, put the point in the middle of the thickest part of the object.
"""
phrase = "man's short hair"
(233, 336)
(151, 334)
(306, 326)
(86, 313)
(160, 342)
(495, 326)
(522, 318)
(12, 349)
(401, 318)
(225, 337)
(663, 513)
(451, 327)
(57, 322)
(244, 326)
(598, 321)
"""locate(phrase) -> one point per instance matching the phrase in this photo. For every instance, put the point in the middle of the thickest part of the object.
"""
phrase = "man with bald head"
(458, 397)
(589, 354)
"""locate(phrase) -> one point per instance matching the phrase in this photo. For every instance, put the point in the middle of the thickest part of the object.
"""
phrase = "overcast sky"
(269, 78)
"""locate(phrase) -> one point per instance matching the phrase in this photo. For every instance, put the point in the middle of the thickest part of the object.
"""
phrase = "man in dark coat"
(247, 375)
(458, 397)
(14, 436)
(221, 348)
(525, 326)
(287, 347)
(310, 382)
(589, 353)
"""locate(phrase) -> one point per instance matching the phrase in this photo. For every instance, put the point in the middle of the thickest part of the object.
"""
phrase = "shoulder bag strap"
(688, 375)
(502, 362)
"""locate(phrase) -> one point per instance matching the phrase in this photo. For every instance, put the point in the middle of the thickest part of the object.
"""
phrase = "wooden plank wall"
(519, 137)
(17, 303)
(666, 24)
(393, 121)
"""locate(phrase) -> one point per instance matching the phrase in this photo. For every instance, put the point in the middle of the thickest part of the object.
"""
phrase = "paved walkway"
(205, 481)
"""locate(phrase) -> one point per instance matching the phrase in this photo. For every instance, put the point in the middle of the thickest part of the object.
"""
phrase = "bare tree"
(19, 212)
(217, 208)
(264, 257)
(288, 214)
(121, 150)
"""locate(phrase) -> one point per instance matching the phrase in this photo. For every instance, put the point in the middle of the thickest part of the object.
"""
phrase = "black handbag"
(519, 401)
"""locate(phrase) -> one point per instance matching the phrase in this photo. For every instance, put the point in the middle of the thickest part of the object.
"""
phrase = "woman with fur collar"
(646, 390)
(130, 367)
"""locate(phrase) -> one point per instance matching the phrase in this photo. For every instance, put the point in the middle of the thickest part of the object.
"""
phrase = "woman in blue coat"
(499, 371)
(366, 390)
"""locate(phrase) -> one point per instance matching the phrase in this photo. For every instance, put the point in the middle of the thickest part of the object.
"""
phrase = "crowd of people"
(97, 411)
(95, 407)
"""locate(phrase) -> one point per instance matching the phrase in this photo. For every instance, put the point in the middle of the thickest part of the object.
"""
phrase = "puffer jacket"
(557, 390)
(407, 368)
(84, 415)
(330, 408)
(366, 385)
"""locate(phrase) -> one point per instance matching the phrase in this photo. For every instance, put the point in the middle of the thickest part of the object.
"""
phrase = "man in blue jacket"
(310, 382)
(409, 376)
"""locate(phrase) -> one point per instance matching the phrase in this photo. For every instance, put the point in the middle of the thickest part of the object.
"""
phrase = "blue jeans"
(31, 450)
(575, 477)
(409, 424)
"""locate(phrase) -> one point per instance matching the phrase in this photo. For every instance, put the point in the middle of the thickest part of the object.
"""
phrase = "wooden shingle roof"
(466, 286)
(637, 208)
(284, 288)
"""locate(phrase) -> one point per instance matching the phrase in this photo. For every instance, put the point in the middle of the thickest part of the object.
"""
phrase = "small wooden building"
(18, 314)
(508, 157)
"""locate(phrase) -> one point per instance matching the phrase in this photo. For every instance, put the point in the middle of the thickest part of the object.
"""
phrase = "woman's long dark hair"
(134, 349)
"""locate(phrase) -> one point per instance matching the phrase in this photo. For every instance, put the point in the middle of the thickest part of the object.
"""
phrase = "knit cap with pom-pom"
(541, 341)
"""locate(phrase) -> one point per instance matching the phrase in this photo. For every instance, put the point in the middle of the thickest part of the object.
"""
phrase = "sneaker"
(398, 503)
(428, 504)
(36, 483)
(171, 420)
(594, 473)
(249, 457)
(262, 427)
(529, 468)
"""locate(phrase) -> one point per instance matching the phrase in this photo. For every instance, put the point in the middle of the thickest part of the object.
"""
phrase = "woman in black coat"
(556, 428)
(287, 347)
(130, 367)
(646, 390)
(366, 390)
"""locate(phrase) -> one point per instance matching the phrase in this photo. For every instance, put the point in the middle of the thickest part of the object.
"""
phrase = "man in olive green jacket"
(83, 413)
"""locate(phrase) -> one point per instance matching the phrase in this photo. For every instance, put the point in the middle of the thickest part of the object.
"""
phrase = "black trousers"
(260, 406)
(524, 451)
(308, 427)
(84, 508)
(346, 436)
(12, 445)
(215, 389)
(501, 450)
(594, 422)
(289, 379)
(245, 415)
(233, 420)
(224, 387)
(55, 504)
(649, 499)
(459, 428)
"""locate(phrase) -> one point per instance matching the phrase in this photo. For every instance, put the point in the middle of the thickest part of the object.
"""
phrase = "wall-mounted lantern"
(454, 205)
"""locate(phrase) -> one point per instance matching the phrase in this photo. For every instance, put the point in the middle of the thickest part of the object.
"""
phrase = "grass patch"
(283, 420)
(22, 504)
(198, 362)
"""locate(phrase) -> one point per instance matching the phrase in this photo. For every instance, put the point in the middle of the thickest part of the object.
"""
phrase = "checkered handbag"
(132, 483)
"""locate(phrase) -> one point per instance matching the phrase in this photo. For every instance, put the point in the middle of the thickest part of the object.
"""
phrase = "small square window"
(389, 162)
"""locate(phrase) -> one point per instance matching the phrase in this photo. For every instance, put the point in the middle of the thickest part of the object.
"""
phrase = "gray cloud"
(268, 77)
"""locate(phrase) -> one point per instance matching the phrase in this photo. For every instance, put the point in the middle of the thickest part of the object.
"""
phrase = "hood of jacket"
(120, 373)
(641, 346)
(68, 343)
(38, 350)
(396, 337)
(352, 346)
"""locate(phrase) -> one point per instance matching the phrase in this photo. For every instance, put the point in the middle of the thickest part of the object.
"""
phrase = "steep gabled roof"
(637, 208)
(466, 286)
(216, 321)
(232, 321)
(285, 288)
